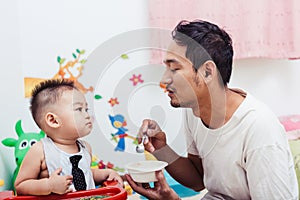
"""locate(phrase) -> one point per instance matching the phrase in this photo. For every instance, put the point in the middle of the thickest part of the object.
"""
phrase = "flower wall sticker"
(113, 101)
(136, 79)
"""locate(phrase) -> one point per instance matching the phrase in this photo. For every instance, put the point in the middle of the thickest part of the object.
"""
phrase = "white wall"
(275, 82)
(35, 32)
(12, 106)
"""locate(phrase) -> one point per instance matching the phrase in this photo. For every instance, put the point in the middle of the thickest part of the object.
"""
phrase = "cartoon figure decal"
(119, 123)
(22, 144)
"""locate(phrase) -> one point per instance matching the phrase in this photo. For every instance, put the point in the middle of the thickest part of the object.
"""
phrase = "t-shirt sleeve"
(268, 174)
(269, 164)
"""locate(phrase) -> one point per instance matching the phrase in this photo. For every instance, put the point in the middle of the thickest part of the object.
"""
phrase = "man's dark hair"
(205, 41)
(46, 93)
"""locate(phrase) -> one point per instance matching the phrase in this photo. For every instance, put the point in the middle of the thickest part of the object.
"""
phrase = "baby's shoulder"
(36, 149)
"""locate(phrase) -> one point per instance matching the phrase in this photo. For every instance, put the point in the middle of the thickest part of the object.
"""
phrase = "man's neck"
(217, 110)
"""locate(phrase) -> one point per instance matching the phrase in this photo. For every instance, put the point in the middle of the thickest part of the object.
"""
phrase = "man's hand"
(156, 138)
(161, 189)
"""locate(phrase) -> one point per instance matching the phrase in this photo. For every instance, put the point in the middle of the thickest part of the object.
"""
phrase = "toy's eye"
(23, 144)
(32, 142)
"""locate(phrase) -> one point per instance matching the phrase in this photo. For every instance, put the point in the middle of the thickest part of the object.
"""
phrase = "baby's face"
(73, 113)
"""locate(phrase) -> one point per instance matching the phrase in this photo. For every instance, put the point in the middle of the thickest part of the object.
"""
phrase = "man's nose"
(166, 78)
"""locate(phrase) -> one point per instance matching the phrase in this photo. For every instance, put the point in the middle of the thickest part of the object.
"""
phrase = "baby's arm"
(101, 175)
(28, 181)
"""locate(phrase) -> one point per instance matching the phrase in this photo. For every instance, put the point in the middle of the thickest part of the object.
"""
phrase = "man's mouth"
(170, 92)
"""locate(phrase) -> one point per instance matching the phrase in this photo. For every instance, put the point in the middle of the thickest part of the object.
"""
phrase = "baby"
(60, 162)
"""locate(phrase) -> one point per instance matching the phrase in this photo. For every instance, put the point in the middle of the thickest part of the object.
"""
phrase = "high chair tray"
(107, 193)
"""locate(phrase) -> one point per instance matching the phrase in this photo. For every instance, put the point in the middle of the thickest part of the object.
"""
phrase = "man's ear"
(208, 70)
(52, 120)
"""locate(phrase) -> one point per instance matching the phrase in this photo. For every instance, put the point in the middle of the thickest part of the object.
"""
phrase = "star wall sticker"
(136, 79)
(113, 101)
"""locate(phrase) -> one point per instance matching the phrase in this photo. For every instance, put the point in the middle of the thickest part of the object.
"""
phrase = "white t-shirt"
(56, 158)
(247, 158)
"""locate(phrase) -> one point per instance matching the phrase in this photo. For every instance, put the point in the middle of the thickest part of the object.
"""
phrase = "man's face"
(182, 82)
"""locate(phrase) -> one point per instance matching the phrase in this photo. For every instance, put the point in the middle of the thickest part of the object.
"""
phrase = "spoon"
(140, 147)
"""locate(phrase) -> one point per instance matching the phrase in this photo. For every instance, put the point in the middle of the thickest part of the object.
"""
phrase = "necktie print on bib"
(77, 173)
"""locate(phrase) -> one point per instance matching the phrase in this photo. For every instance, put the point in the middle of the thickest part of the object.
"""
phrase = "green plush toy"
(21, 145)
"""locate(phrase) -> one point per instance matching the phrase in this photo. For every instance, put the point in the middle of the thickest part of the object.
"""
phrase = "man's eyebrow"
(167, 61)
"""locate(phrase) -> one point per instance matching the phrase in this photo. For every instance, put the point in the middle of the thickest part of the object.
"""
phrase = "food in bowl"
(94, 197)
(144, 171)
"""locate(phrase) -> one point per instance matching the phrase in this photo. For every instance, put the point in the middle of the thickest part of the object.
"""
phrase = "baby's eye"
(79, 109)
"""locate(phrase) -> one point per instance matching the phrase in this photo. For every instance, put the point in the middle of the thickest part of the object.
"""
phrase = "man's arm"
(270, 174)
(187, 171)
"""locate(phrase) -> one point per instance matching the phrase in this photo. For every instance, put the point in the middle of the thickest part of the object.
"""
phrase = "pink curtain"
(259, 28)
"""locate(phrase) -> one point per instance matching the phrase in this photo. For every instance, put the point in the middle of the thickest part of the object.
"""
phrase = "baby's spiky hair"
(46, 93)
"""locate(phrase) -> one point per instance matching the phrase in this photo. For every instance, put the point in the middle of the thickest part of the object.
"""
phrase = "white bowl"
(144, 171)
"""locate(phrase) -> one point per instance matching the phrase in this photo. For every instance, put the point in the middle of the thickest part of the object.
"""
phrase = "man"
(236, 147)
